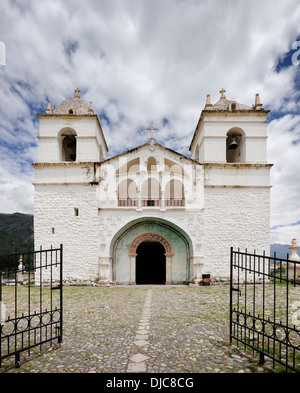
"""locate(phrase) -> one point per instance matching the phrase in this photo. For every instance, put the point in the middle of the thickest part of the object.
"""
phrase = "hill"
(16, 232)
(282, 250)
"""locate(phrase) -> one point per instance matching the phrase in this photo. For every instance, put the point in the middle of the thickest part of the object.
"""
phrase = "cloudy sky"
(150, 60)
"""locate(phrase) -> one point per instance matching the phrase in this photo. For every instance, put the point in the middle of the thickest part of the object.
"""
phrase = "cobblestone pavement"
(152, 329)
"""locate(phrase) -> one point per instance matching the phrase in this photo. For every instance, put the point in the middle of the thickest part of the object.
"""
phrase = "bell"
(233, 145)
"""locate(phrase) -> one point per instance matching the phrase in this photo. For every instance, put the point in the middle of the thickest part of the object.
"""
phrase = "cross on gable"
(222, 91)
(152, 128)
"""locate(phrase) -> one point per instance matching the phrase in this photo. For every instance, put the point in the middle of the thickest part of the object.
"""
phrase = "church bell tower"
(71, 150)
(71, 133)
(230, 142)
(230, 132)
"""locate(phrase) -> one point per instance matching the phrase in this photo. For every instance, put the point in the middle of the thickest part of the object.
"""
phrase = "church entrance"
(150, 263)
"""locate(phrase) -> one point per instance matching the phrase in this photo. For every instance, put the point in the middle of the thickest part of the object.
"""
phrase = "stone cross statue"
(222, 91)
(152, 128)
(77, 91)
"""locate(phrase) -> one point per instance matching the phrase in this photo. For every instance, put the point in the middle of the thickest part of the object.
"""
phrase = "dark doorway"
(150, 263)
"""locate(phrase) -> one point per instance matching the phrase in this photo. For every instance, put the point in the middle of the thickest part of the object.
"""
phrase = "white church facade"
(152, 215)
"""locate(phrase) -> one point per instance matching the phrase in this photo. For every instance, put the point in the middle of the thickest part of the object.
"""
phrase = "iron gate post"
(61, 294)
(230, 313)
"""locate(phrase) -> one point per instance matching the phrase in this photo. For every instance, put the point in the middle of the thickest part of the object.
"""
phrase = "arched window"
(151, 192)
(174, 193)
(235, 145)
(127, 193)
(132, 166)
(68, 143)
(233, 106)
(151, 164)
(173, 167)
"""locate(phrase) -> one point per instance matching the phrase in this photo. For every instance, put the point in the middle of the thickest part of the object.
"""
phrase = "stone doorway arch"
(150, 236)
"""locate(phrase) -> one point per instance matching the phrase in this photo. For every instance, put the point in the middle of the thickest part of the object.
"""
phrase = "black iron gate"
(265, 305)
(31, 307)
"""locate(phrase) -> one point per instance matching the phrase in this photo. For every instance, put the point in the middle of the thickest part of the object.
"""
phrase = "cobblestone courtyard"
(153, 329)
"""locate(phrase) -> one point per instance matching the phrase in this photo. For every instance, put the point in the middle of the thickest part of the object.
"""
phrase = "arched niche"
(132, 166)
(174, 168)
(151, 192)
(177, 244)
(174, 189)
(174, 193)
(151, 164)
(127, 193)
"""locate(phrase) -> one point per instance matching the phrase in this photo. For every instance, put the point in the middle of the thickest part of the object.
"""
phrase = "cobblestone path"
(157, 329)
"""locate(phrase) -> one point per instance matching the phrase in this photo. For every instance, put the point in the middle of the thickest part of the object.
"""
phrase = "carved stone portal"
(152, 237)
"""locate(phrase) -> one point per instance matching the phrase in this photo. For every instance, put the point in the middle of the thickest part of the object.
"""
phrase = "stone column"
(198, 266)
(139, 201)
(294, 268)
(132, 269)
(168, 269)
(163, 207)
(103, 271)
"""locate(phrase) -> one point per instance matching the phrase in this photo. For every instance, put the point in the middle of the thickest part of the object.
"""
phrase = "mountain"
(282, 250)
(16, 232)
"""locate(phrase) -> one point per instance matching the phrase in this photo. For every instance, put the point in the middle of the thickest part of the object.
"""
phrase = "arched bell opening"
(235, 146)
(69, 148)
(68, 142)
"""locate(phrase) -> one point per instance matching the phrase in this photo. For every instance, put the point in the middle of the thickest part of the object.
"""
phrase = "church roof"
(225, 104)
(74, 106)
(153, 145)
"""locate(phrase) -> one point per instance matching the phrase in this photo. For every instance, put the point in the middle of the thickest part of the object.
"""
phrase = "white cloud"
(284, 149)
(141, 61)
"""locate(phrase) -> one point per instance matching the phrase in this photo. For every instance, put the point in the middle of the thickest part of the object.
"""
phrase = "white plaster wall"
(66, 173)
(225, 205)
(54, 210)
(235, 175)
(237, 217)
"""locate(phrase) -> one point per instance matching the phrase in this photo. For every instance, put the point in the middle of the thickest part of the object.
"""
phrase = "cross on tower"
(77, 91)
(222, 91)
(152, 128)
